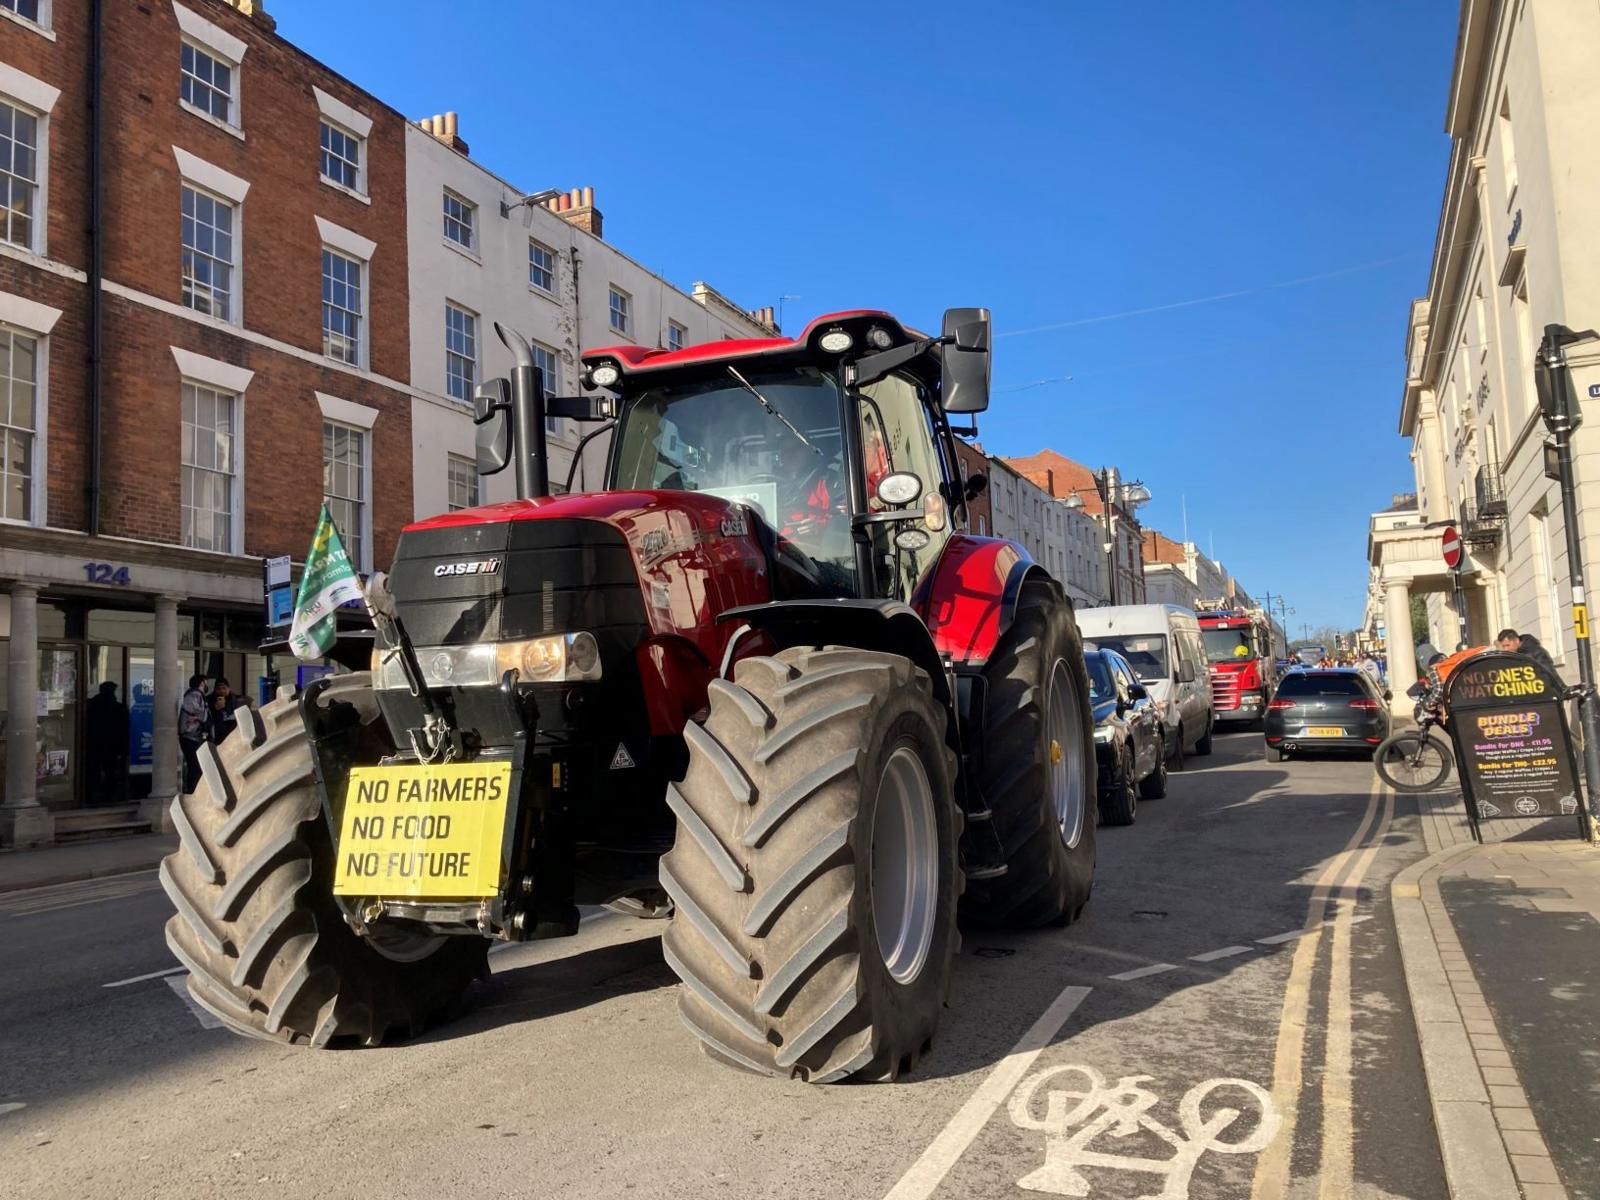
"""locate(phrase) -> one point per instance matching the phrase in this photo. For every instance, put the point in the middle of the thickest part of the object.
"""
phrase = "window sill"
(536, 290)
(48, 34)
(196, 111)
(208, 319)
(348, 191)
(341, 363)
(623, 334)
(469, 255)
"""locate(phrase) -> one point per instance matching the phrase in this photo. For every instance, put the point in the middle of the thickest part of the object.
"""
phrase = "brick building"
(1075, 483)
(204, 307)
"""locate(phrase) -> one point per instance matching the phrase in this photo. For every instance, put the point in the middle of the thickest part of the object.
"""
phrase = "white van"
(1162, 644)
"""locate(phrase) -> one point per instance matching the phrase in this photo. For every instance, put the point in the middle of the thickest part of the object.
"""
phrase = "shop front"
(98, 638)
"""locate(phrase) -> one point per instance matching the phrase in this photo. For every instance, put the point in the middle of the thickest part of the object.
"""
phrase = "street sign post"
(1512, 743)
(1450, 547)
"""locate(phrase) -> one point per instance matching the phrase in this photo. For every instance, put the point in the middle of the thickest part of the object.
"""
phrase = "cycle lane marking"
(925, 1175)
(1336, 1178)
(1271, 1179)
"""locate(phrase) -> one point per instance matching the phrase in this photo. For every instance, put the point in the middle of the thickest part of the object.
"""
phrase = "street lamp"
(1114, 493)
(1552, 377)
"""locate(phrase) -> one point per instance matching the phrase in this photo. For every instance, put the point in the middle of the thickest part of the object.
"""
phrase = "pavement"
(1230, 1019)
(21, 869)
(1501, 946)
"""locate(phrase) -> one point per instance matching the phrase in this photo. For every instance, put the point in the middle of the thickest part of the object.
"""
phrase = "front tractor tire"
(268, 951)
(815, 874)
(1038, 779)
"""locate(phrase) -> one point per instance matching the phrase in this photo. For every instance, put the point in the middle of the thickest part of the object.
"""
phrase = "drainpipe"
(96, 258)
(577, 351)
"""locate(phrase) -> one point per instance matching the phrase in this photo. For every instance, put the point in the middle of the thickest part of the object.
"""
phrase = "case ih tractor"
(763, 686)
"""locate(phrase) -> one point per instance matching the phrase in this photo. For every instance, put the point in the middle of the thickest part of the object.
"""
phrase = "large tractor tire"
(816, 869)
(1039, 774)
(268, 952)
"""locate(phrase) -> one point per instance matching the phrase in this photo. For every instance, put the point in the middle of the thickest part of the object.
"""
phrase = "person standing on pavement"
(1513, 642)
(193, 721)
(222, 719)
(106, 737)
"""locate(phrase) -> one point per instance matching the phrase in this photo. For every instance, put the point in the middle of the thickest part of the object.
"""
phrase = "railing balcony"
(1490, 492)
(1479, 529)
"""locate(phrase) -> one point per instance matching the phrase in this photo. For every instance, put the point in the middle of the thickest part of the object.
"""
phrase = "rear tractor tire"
(1038, 780)
(816, 873)
(268, 951)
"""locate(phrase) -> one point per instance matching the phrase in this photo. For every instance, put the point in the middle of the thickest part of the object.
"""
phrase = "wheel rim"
(905, 865)
(1413, 763)
(1065, 748)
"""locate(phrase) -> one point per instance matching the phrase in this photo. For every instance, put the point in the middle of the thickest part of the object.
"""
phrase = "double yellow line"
(1340, 882)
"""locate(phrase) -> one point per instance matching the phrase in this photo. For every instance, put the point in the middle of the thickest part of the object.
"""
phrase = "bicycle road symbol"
(1120, 1110)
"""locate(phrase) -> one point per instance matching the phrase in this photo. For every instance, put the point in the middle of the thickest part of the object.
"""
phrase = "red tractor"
(763, 685)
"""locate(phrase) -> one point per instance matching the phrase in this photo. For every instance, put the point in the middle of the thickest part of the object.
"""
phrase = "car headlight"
(559, 658)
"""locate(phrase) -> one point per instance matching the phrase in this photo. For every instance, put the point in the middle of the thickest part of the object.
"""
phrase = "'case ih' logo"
(482, 566)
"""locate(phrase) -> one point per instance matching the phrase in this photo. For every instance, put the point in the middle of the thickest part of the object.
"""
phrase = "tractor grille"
(550, 576)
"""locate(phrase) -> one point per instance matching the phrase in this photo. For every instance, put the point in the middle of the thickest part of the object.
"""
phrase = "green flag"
(327, 582)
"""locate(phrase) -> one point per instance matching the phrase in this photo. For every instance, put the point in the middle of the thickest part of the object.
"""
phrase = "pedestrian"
(1513, 642)
(223, 718)
(193, 718)
(106, 739)
(1369, 665)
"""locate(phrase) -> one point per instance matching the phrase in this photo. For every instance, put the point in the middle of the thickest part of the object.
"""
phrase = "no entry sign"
(1450, 547)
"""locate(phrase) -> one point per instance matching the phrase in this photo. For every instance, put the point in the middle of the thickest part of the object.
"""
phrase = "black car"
(1326, 709)
(1128, 739)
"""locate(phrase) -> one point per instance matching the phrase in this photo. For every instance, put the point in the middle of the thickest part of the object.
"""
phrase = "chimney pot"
(588, 197)
(450, 124)
(425, 124)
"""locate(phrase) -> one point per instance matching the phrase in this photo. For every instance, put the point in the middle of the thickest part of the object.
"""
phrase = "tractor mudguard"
(888, 625)
(969, 599)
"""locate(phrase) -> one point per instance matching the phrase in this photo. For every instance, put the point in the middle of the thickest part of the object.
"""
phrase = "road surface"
(1228, 1020)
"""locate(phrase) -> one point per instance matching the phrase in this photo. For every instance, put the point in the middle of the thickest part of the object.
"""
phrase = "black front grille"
(550, 576)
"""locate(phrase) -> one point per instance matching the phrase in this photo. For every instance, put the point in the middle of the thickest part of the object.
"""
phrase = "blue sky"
(1062, 163)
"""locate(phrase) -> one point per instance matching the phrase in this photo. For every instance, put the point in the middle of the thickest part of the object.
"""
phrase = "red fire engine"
(1239, 647)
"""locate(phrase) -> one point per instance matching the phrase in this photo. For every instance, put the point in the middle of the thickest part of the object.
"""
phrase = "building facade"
(179, 367)
(1065, 541)
(483, 252)
(250, 288)
(1515, 251)
(1076, 484)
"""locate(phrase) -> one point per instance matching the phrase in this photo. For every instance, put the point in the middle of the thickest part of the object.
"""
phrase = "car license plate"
(1324, 731)
(420, 830)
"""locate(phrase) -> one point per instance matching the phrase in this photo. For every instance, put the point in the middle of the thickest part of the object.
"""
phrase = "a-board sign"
(1513, 747)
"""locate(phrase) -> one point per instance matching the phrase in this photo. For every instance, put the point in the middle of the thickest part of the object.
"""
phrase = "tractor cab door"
(898, 434)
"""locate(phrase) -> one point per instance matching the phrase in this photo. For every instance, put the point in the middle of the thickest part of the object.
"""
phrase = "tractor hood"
(632, 564)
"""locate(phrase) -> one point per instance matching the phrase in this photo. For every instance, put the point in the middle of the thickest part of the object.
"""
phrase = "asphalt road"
(1229, 1020)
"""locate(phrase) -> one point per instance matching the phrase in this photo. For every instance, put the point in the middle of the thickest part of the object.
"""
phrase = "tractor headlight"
(604, 374)
(559, 658)
(836, 341)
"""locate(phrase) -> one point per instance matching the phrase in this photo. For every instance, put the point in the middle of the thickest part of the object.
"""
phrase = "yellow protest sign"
(419, 830)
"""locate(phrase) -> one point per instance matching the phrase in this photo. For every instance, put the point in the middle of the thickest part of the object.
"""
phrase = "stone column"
(165, 760)
(24, 821)
(1402, 652)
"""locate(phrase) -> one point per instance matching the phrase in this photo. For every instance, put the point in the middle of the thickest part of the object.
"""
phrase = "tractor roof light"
(836, 341)
(879, 338)
(604, 374)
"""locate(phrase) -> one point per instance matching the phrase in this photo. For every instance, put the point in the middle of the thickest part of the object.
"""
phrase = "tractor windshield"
(774, 445)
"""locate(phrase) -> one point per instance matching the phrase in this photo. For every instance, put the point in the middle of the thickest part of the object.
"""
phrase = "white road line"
(928, 1171)
(11, 1107)
(1361, 918)
(207, 1021)
(1292, 935)
(142, 978)
(1225, 952)
(1141, 972)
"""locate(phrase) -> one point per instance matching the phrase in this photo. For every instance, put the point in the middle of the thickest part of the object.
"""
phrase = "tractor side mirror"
(977, 484)
(581, 408)
(965, 359)
(491, 413)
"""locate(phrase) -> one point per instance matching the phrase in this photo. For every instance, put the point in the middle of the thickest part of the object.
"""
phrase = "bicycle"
(1415, 760)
